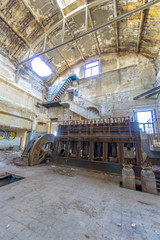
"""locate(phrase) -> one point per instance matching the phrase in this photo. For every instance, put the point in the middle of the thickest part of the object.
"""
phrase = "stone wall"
(19, 95)
(121, 79)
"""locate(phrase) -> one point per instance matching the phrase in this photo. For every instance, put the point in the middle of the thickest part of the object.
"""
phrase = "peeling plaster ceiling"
(24, 23)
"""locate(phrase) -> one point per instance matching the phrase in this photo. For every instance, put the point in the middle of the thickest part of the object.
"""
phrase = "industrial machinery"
(38, 149)
(94, 144)
(100, 145)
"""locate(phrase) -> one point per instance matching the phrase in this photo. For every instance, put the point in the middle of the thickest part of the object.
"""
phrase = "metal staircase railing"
(62, 89)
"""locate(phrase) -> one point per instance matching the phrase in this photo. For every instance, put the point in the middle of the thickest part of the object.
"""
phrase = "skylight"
(41, 68)
(64, 3)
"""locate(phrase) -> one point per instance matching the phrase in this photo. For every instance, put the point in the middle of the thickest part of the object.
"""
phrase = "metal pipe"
(114, 20)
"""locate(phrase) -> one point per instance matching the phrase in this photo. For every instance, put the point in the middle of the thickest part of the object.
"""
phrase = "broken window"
(92, 69)
(41, 68)
(145, 120)
(64, 3)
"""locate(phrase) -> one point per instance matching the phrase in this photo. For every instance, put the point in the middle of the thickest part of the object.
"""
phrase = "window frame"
(98, 65)
(152, 111)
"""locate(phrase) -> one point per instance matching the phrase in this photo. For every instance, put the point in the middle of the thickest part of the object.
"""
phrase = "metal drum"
(148, 181)
(128, 177)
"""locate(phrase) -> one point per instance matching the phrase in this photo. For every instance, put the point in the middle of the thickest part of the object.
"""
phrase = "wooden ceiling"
(25, 24)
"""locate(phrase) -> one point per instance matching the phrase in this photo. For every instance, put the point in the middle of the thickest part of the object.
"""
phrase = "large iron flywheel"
(41, 148)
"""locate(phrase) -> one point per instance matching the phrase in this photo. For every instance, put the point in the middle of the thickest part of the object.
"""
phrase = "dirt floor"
(59, 203)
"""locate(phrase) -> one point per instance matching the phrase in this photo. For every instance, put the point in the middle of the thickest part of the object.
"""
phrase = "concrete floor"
(61, 203)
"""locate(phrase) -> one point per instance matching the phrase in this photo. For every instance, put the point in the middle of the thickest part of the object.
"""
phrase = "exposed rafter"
(45, 34)
(76, 42)
(116, 25)
(67, 17)
(142, 20)
(14, 30)
(93, 30)
(95, 34)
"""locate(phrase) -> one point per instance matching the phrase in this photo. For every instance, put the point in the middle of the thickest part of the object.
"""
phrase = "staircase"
(82, 111)
(59, 89)
(62, 89)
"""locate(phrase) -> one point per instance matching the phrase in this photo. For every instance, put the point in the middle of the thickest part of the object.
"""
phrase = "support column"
(120, 153)
(105, 152)
(139, 157)
(33, 128)
(24, 141)
(91, 149)
(78, 152)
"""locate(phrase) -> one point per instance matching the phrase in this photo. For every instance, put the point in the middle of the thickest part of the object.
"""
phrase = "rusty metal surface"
(38, 151)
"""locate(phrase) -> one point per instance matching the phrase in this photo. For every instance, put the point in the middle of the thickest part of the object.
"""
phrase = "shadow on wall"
(93, 109)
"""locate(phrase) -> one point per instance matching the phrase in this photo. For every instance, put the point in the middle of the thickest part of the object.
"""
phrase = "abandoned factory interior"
(80, 119)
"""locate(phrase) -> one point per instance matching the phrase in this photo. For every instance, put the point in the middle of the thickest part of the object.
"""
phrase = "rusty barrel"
(128, 177)
(148, 181)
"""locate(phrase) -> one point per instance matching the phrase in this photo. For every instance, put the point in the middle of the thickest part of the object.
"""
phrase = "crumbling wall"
(18, 102)
(121, 78)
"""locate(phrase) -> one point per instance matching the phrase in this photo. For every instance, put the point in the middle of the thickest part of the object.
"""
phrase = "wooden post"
(56, 148)
(91, 149)
(121, 153)
(139, 157)
(105, 152)
(78, 152)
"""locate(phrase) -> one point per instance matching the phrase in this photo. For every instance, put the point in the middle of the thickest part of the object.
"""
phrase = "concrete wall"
(19, 95)
(121, 79)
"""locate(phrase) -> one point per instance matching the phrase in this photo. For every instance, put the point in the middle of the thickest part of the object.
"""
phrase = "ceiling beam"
(67, 17)
(116, 25)
(95, 34)
(5, 20)
(76, 42)
(45, 34)
(93, 30)
(142, 20)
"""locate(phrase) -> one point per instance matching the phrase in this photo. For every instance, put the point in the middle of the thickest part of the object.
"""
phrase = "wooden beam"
(146, 93)
(142, 20)
(4, 19)
(95, 29)
(45, 33)
(116, 25)
(76, 42)
(68, 16)
(95, 34)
